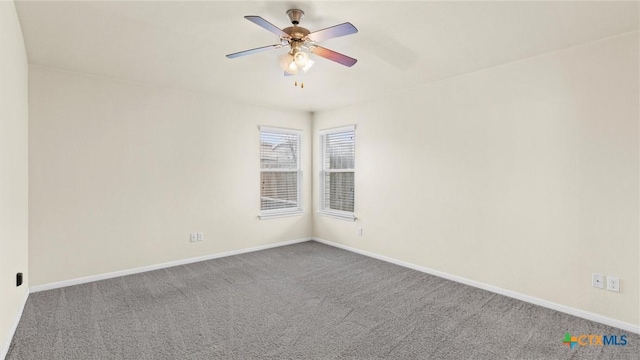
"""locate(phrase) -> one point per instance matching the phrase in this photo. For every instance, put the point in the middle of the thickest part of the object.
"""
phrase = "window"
(338, 149)
(280, 173)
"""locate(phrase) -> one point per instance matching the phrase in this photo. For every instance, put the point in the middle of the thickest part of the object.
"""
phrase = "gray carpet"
(304, 301)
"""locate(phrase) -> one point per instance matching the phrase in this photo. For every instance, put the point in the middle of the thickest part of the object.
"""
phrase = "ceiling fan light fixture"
(287, 63)
(300, 58)
(293, 63)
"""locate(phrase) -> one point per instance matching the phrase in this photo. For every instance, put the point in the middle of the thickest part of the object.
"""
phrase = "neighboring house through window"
(280, 172)
(337, 174)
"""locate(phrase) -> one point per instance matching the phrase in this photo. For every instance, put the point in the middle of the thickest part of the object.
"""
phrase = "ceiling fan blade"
(333, 32)
(333, 56)
(253, 51)
(266, 25)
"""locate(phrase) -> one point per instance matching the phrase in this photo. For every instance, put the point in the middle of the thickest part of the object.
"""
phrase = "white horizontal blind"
(280, 171)
(338, 170)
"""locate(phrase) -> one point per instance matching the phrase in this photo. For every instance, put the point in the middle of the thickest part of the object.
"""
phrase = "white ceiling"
(400, 45)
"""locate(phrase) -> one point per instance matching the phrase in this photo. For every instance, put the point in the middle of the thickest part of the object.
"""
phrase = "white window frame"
(298, 210)
(322, 210)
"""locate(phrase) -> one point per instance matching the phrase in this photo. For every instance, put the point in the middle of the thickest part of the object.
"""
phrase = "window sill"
(277, 215)
(338, 215)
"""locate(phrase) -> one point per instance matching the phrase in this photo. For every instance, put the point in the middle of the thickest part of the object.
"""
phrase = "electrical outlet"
(613, 283)
(200, 236)
(359, 231)
(193, 237)
(597, 281)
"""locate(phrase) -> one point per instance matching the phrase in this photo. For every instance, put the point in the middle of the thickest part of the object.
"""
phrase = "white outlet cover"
(200, 236)
(193, 237)
(613, 283)
(597, 281)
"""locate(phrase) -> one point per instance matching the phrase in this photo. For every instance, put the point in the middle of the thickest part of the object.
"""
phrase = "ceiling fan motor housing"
(296, 33)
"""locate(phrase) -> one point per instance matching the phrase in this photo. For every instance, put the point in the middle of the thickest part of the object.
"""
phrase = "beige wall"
(121, 173)
(13, 169)
(523, 176)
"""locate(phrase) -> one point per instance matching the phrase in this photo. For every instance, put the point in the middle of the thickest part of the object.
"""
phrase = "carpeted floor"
(304, 301)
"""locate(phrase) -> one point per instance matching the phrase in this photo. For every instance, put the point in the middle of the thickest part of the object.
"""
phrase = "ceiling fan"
(300, 39)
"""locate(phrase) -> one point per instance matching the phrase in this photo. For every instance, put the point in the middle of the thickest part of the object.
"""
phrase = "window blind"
(280, 171)
(338, 170)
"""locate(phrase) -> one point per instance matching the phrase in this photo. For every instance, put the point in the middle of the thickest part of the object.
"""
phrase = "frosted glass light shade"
(300, 58)
(287, 63)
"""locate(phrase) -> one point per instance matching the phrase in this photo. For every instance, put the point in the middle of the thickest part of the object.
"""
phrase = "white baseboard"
(115, 274)
(512, 294)
(14, 326)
